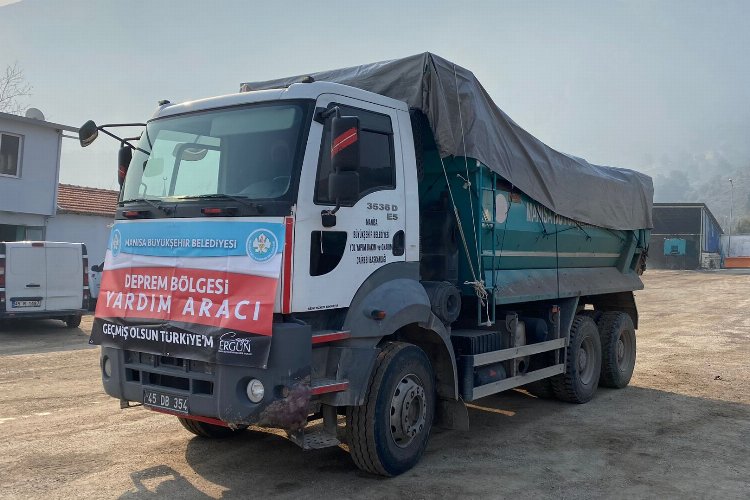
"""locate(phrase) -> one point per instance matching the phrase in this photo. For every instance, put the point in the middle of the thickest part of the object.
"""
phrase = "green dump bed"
(521, 250)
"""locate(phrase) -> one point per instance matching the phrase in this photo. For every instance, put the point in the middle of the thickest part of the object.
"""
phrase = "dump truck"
(352, 255)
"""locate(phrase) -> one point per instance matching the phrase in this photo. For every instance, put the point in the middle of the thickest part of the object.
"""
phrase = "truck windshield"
(252, 152)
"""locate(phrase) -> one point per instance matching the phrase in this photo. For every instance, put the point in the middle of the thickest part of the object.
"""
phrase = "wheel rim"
(586, 362)
(624, 351)
(408, 410)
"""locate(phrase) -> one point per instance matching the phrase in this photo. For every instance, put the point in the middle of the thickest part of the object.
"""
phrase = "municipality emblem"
(262, 245)
(116, 242)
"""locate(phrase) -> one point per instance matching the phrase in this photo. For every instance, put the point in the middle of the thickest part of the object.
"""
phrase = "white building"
(29, 173)
(31, 205)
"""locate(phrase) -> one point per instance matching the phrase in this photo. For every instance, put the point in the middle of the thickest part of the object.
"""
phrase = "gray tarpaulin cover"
(450, 96)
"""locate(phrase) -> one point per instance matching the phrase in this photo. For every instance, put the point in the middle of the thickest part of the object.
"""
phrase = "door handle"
(398, 243)
(33, 285)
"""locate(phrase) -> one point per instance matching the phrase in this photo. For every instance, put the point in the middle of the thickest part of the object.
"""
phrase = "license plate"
(164, 401)
(26, 303)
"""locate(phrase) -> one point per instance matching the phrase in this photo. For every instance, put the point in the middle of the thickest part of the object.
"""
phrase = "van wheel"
(73, 321)
(618, 349)
(582, 364)
(388, 433)
(211, 431)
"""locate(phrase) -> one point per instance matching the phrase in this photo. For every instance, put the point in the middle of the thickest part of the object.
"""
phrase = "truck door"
(64, 276)
(330, 264)
(25, 277)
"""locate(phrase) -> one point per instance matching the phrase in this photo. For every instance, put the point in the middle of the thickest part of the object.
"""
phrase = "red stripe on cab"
(286, 273)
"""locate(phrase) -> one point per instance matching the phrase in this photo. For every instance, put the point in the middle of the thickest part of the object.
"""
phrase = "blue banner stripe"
(198, 238)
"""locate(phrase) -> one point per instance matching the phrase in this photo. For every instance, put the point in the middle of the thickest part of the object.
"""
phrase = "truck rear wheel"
(595, 315)
(73, 321)
(388, 433)
(582, 364)
(211, 431)
(618, 349)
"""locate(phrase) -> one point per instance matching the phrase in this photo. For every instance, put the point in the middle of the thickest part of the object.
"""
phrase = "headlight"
(107, 367)
(255, 390)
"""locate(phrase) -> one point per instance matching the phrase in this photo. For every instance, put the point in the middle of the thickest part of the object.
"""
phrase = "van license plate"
(25, 303)
(164, 401)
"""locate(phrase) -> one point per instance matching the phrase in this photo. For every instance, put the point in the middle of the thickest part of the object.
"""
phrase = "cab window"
(377, 169)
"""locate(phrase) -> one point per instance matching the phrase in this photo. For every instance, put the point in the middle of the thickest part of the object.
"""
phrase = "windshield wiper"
(153, 203)
(221, 196)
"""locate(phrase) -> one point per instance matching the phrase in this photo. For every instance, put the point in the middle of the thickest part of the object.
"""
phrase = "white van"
(44, 279)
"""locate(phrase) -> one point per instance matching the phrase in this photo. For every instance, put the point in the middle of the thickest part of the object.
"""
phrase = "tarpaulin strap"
(479, 288)
(477, 284)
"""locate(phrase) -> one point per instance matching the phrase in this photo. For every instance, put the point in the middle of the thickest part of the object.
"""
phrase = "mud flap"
(452, 414)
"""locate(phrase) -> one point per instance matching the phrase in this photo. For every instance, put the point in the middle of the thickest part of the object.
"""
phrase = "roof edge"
(39, 123)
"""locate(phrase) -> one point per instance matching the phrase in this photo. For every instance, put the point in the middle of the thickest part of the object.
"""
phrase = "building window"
(10, 154)
(34, 234)
(377, 171)
(21, 233)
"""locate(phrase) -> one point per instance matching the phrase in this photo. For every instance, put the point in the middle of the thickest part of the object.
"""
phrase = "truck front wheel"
(388, 433)
(206, 430)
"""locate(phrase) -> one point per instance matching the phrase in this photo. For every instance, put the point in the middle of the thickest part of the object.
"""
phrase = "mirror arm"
(111, 125)
(324, 114)
(335, 209)
(121, 140)
(328, 217)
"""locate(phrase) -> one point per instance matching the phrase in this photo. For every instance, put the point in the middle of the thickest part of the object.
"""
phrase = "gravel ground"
(682, 428)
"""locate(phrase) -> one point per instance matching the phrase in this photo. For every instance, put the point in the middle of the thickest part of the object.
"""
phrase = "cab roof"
(293, 91)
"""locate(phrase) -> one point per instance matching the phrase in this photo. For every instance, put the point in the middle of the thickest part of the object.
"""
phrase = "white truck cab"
(380, 227)
(43, 279)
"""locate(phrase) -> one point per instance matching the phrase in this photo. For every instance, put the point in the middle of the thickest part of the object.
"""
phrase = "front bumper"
(219, 391)
(60, 314)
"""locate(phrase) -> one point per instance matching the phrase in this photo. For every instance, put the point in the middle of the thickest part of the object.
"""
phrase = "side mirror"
(345, 144)
(343, 181)
(88, 133)
(124, 155)
(343, 187)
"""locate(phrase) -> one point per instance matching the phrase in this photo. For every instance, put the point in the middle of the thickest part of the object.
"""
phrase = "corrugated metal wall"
(692, 223)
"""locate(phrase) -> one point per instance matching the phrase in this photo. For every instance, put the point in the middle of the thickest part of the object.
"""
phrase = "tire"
(595, 315)
(211, 431)
(445, 300)
(617, 335)
(73, 321)
(582, 364)
(389, 432)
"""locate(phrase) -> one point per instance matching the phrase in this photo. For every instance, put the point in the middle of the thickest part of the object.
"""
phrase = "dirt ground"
(682, 428)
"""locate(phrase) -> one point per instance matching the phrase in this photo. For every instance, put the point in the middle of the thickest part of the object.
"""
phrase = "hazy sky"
(633, 84)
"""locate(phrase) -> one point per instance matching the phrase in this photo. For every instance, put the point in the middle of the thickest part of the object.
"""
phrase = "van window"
(377, 169)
